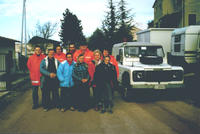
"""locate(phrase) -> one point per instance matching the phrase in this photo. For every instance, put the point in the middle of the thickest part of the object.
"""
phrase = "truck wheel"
(125, 87)
(125, 94)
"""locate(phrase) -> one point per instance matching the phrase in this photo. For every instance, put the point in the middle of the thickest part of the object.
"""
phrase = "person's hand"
(84, 80)
(52, 75)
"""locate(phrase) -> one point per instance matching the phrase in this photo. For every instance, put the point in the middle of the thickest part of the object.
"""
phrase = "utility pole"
(23, 32)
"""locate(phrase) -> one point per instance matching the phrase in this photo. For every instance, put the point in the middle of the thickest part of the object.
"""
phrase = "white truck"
(141, 66)
(185, 45)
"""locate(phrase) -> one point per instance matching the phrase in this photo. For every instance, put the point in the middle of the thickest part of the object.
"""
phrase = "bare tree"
(46, 30)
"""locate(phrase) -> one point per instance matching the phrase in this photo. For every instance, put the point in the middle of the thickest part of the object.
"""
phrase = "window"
(192, 19)
(177, 47)
(120, 55)
(177, 38)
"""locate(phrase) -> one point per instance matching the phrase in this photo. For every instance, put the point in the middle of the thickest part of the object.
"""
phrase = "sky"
(90, 12)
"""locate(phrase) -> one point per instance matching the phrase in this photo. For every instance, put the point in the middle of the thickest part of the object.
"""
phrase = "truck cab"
(141, 66)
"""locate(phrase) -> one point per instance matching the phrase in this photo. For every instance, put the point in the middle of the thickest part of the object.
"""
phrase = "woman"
(64, 74)
(105, 78)
(81, 79)
(96, 92)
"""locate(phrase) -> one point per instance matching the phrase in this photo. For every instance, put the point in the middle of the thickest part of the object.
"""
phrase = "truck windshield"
(136, 51)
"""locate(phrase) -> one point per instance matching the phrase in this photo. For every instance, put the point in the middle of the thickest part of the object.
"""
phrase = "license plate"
(159, 87)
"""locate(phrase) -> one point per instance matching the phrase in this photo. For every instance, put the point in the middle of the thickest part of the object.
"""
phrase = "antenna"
(23, 32)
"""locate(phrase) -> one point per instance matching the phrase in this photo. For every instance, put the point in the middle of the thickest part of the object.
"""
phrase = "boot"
(110, 109)
(103, 110)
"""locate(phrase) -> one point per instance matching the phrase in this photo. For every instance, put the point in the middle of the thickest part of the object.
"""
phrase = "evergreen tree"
(109, 25)
(97, 40)
(71, 29)
(125, 23)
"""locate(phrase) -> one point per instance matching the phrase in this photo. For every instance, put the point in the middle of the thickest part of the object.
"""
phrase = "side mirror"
(118, 58)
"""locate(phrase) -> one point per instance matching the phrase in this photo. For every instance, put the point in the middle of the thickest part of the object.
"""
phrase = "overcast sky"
(90, 12)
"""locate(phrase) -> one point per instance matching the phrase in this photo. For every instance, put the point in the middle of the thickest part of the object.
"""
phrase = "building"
(176, 13)
(7, 59)
(7, 54)
(134, 31)
(45, 44)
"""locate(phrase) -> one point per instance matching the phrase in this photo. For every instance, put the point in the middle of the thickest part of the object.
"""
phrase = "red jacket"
(88, 56)
(33, 65)
(115, 63)
(61, 57)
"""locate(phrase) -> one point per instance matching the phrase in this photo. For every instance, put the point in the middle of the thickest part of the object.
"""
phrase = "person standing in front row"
(49, 80)
(64, 74)
(81, 79)
(91, 68)
(105, 74)
(33, 65)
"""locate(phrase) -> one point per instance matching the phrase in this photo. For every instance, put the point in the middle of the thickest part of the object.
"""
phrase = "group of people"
(73, 73)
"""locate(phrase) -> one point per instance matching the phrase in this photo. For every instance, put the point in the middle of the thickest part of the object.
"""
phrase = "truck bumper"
(157, 86)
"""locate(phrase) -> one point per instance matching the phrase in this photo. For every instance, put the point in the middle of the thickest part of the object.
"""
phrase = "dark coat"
(105, 74)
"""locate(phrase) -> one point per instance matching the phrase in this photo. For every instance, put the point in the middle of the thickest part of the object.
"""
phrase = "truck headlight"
(138, 76)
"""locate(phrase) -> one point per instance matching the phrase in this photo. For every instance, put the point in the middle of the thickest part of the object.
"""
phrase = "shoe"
(34, 107)
(72, 108)
(103, 111)
(45, 110)
(62, 110)
(110, 111)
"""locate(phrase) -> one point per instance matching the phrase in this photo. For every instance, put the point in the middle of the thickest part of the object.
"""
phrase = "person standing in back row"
(33, 65)
(88, 55)
(59, 55)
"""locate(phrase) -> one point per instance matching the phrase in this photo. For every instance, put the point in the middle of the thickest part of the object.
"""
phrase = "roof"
(7, 39)
(154, 3)
(193, 29)
(136, 44)
(38, 40)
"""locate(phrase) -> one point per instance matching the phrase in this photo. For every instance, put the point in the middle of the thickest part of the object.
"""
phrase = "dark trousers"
(67, 97)
(35, 95)
(107, 94)
(97, 95)
(46, 94)
(82, 96)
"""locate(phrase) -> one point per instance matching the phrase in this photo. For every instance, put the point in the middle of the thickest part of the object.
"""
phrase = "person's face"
(69, 57)
(83, 48)
(105, 53)
(81, 59)
(58, 50)
(106, 60)
(71, 47)
(97, 56)
(51, 54)
(38, 51)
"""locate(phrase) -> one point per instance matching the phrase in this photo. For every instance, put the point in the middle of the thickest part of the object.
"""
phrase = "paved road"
(160, 116)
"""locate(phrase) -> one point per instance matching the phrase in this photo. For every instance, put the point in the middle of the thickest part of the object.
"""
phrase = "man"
(33, 65)
(49, 80)
(72, 49)
(112, 60)
(59, 55)
(88, 55)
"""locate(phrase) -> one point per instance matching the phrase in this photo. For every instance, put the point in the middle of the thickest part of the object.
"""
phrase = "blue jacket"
(64, 74)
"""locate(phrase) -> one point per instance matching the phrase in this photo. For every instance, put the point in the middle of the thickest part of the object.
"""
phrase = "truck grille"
(158, 76)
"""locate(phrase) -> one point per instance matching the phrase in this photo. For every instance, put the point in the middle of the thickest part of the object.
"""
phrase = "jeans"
(35, 95)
